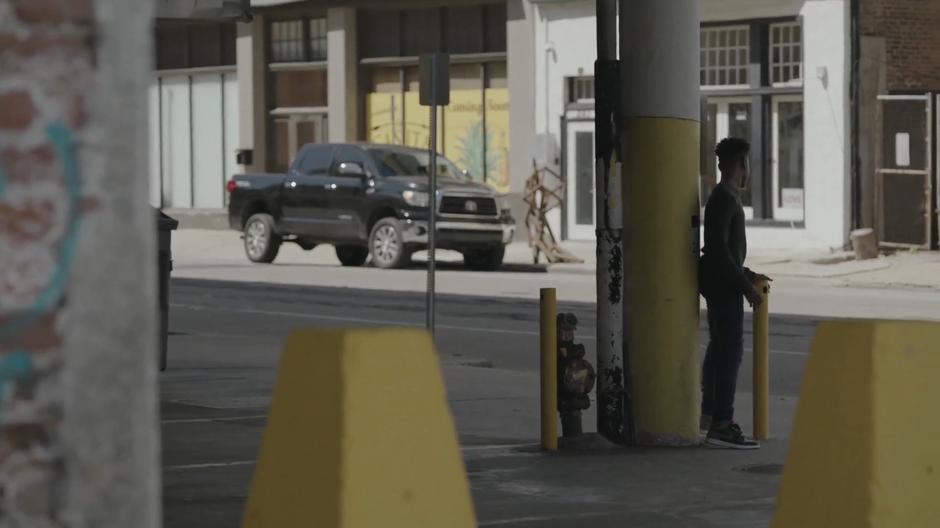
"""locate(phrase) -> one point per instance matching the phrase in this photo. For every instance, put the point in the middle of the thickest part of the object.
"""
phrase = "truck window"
(393, 162)
(316, 160)
(347, 154)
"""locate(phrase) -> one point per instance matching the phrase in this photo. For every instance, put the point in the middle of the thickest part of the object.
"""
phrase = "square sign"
(434, 77)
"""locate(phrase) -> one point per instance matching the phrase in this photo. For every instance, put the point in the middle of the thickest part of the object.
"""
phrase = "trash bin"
(165, 227)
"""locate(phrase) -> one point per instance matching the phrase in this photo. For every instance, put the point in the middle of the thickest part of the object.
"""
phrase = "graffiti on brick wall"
(32, 282)
(39, 218)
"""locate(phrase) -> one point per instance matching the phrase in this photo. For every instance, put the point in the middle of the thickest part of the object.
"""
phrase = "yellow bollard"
(548, 340)
(762, 364)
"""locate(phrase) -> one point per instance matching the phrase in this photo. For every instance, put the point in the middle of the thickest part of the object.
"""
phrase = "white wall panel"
(208, 139)
(230, 117)
(175, 132)
(154, 131)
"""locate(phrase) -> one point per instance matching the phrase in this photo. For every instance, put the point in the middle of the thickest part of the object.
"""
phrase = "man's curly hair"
(731, 150)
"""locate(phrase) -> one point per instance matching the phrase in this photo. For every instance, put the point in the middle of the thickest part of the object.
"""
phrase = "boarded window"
(299, 88)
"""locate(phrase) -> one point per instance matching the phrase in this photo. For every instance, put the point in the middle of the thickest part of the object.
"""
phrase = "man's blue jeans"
(723, 356)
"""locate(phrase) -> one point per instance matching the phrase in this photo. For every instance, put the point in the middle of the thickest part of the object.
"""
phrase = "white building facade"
(775, 72)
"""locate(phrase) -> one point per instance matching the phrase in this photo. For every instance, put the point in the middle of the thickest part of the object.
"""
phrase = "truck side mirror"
(349, 168)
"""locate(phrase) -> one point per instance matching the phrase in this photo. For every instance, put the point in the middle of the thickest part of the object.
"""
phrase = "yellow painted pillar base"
(359, 434)
(660, 167)
(865, 451)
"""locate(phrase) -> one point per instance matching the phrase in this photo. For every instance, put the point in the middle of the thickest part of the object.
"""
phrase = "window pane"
(742, 57)
(790, 153)
(318, 39)
(709, 163)
(743, 37)
(722, 77)
(742, 76)
(316, 160)
(797, 34)
(776, 35)
(712, 39)
(739, 126)
(712, 78)
(584, 177)
(287, 41)
(722, 57)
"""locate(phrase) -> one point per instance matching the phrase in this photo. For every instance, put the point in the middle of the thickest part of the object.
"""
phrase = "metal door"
(347, 193)
(904, 171)
(304, 200)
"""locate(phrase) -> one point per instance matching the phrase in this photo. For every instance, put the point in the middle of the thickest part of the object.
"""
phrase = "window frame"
(771, 46)
(703, 69)
(307, 39)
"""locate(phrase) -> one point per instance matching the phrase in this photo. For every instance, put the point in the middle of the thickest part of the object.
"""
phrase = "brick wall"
(78, 438)
(911, 29)
(46, 60)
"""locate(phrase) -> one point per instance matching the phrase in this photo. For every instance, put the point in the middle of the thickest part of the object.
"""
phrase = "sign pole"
(434, 91)
(432, 215)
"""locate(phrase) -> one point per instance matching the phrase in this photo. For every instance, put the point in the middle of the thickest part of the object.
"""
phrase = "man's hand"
(757, 277)
(754, 297)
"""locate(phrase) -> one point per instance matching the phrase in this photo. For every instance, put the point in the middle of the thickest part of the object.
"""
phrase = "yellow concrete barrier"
(865, 450)
(359, 435)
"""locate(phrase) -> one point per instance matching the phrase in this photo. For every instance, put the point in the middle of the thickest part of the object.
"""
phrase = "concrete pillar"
(252, 99)
(520, 41)
(342, 79)
(79, 442)
(660, 68)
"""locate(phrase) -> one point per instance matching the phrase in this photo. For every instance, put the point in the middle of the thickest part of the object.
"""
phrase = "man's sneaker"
(704, 424)
(729, 436)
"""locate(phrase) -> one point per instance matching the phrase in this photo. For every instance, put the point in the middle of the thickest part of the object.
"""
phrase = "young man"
(723, 281)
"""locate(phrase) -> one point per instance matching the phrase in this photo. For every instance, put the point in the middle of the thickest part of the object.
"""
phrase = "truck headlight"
(415, 198)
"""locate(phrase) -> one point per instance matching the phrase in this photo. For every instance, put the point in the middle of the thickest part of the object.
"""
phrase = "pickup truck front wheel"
(387, 244)
(489, 259)
(261, 242)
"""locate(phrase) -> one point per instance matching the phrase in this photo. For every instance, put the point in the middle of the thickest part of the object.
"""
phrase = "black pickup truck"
(368, 199)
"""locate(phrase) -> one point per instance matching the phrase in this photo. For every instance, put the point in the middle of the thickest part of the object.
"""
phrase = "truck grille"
(464, 205)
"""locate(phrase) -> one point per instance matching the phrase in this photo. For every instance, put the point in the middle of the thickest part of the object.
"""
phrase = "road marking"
(557, 517)
(223, 419)
(403, 323)
(497, 447)
(356, 320)
(211, 465)
(185, 467)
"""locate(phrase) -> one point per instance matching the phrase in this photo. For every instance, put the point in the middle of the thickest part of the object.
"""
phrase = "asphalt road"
(224, 347)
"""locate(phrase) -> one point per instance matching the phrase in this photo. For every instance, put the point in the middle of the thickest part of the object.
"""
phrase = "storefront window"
(788, 158)
(473, 129)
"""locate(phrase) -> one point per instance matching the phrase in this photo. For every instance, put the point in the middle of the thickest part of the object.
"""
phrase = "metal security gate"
(904, 171)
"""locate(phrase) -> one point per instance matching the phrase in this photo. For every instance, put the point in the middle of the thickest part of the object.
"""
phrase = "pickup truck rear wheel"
(352, 255)
(261, 242)
(488, 259)
(387, 244)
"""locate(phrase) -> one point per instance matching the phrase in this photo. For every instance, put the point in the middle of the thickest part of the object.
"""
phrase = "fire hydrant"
(576, 376)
